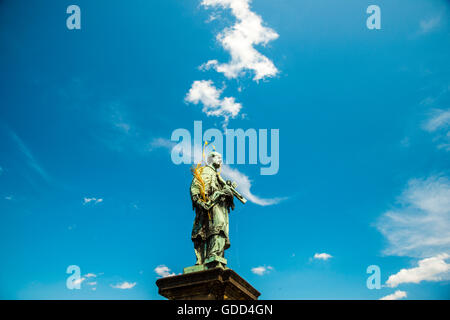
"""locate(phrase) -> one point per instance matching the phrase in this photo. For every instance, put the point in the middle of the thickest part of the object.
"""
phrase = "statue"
(209, 279)
(212, 199)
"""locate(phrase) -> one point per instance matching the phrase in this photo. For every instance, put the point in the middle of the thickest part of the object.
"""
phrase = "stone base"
(211, 284)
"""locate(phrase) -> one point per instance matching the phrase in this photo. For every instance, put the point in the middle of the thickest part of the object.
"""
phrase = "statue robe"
(214, 221)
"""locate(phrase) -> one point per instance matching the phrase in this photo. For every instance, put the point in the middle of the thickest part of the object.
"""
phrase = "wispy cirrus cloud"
(85, 278)
(161, 143)
(428, 25)
(438, 123)
(420, 224)
(31, 161)
(194, 154)
(90, 275)
(439, 119)
(118, 129)
(92, 200)
(419, 227)
(244, 185)
(79, 281)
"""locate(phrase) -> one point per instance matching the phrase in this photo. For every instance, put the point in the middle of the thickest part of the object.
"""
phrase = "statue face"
(215, 159)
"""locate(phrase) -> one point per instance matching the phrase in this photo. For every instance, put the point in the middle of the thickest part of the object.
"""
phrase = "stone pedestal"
(210, 284)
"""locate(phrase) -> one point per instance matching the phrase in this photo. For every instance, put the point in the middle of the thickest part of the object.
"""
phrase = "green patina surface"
(212, 200)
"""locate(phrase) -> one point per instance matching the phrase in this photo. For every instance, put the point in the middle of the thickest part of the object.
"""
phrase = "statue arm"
(195, 188)
(196, 191)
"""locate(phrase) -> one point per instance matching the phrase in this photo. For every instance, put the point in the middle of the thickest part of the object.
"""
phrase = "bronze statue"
(212, 198)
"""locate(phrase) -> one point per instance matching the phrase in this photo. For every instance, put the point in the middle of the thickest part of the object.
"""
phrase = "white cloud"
(239, 41)
(163, 271)
(205, 92)
(119, 130)
(78, 281)
(124, 285)
(93, 200)
(395, 296)
(134, 206)
(84, 278)
(244, 185)
(430, 24)
(194, 154)
(322, 256)
(440, 119)
(429, 269)
(118, 118)
(262, 270)
(90, 275)
(161, 143)
(420, 226)
(405, 142)
(243, 181)
(439, 124)
(29, 156)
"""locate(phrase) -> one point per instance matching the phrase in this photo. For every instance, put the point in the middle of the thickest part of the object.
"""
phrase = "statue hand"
(203, 205)
(199, 202)
(228, 193)
(232, 184)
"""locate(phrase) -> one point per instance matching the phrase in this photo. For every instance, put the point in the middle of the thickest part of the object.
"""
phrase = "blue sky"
(364, 146)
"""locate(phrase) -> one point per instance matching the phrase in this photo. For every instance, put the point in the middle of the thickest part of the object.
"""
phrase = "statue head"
(214, 159)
